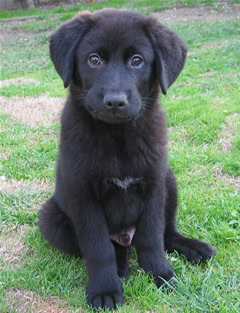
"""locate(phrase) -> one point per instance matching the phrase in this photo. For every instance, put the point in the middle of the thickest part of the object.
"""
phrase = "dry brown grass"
(17, 81)
(23, 301)
(175, 15)
(231, 180)
(229, 132)
(16, 186)
(4, 155)
(33, 111)
(12, 247)
(217, 44)
(208, 74)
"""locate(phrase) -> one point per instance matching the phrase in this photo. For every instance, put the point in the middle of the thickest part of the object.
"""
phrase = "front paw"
(161, 271)
(105, 294)
(163, 275)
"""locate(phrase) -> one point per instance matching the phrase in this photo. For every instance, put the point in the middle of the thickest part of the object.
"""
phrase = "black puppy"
(114, 186)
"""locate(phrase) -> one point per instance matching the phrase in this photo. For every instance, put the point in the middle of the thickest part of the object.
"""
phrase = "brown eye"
(94, 60)
(137, 61)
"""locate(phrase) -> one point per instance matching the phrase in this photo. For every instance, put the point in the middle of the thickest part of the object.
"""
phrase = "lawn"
(203, 111)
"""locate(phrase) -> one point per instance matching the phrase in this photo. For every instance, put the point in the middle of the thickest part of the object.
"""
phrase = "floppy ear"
(64, 42)
(171, 54)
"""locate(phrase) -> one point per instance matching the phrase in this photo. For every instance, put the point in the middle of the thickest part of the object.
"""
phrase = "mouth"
(112, 119)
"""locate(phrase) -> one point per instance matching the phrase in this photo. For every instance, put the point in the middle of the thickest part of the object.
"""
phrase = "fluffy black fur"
(113, 173)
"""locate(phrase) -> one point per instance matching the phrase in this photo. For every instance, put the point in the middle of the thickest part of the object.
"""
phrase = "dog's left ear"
(170, 51)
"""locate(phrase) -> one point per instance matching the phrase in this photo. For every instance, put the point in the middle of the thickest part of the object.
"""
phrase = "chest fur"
(122, 201)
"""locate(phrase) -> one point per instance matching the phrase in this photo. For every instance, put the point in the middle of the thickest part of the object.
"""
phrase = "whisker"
(78, 98)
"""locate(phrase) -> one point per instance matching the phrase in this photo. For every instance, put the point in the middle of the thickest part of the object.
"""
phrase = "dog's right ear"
(64, 42)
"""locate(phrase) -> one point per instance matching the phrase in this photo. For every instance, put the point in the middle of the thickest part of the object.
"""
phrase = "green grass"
(197, 107)
(147, 5)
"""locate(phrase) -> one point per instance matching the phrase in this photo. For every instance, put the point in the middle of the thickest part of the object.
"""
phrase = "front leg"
(104, 288)
(149, 241)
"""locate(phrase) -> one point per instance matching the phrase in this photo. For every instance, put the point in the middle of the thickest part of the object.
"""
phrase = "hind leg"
(193, 249)
(122, 255)
(57, 228)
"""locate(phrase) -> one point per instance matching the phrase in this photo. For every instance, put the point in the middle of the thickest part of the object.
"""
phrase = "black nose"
(115, 102)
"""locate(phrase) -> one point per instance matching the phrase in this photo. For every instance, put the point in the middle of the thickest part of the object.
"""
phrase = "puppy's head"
(115, 60)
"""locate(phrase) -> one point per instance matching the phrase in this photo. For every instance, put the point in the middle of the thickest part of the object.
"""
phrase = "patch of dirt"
(12, 246)
(4, 155)
(33, 111)
(222, 11)
(208, 74)
(231, 180)
(229, 132)
(17, 81)
(16, 186)
(12, 26)
(179, 132)
(213, 45)
(226, 138)
(23, 301)
(21, 19)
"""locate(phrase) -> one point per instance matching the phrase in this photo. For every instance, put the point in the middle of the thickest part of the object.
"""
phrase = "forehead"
(117, 35)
